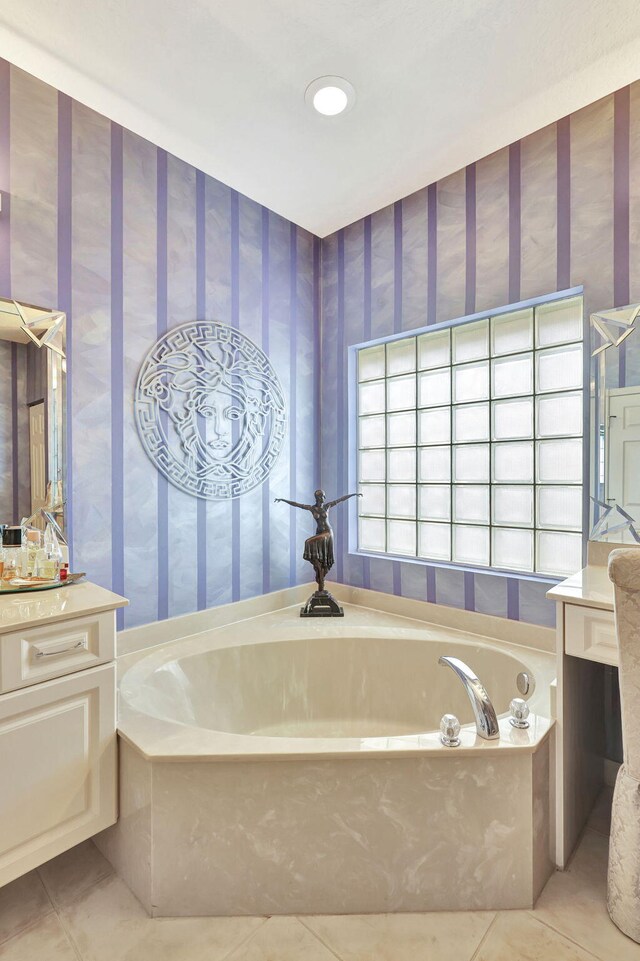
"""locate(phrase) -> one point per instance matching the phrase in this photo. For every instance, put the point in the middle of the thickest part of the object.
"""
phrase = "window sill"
(445, 565)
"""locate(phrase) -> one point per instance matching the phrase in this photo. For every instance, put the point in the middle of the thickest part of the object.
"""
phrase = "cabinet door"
(57, 767)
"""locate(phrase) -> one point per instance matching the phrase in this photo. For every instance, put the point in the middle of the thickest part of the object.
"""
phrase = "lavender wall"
(130, 241)
(557, 209)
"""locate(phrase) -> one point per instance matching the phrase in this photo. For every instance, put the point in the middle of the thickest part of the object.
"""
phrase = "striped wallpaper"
(558, 209)
(130, 241)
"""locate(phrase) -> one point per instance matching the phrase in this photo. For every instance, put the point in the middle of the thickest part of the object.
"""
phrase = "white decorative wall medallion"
(210, 410)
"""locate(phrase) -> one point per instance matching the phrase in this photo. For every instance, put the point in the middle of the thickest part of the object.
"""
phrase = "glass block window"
(470, 442)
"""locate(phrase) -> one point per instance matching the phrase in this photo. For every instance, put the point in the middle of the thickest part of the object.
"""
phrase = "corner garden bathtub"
(289, 766)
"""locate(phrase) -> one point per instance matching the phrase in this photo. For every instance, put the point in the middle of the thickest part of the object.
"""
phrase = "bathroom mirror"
(615, 418)
(33, 406)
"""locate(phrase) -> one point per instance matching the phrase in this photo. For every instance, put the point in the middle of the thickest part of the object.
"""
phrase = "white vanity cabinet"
(586, 640)
(57, 722)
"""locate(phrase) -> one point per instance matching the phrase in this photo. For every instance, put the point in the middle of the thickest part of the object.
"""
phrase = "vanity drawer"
(40, 653)
(590, 633)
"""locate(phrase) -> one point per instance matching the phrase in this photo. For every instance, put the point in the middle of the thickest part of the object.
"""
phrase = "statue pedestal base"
(321, 604)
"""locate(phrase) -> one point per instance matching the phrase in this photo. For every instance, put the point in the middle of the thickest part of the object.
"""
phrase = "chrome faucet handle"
(525, 683)
(519, 713)
(450, 730)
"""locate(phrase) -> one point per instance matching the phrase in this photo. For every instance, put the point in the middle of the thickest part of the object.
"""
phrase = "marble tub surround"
(84, 912)
(177, 628)
(163, 709)
(519, 633)
(333, 836)
(275, 766)
(147, 636)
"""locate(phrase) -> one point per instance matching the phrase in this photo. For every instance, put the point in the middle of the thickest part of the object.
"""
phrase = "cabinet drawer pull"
(60, 650)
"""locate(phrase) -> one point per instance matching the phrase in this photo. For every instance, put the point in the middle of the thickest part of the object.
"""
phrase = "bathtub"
(280, 766)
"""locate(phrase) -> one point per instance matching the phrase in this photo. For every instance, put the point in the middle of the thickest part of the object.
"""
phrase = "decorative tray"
(23, 585)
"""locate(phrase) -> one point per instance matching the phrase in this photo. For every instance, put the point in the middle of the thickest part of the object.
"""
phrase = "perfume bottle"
(32, 543)
(47, 561)
(11, 552)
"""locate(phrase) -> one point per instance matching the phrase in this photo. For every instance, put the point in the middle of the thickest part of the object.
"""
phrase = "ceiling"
(221, 83)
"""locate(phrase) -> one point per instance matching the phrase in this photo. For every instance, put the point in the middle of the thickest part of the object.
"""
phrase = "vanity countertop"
(590, 587)
(18, 611)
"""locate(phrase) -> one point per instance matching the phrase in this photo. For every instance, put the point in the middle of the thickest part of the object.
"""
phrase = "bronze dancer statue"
(318, 549)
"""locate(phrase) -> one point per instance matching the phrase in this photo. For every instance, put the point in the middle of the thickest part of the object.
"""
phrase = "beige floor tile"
(107, 923)
(22, 902)
(282, 939)
(517, 936)
(71, 873)
(600, 817)
(574, 903)
(45, 941)
(402, 937)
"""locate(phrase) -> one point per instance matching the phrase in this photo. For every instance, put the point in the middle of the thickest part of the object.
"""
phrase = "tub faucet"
(483, 709)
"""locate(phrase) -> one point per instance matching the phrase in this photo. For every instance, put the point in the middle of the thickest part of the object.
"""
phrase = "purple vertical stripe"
(293, 367)
(563, 209)
(117, 366)
(513, 599)
(340, 458)
(15, 436)
(266, 499)
(235, 320)
(317, 349)
(397, 267)
(470, 258)
(431, 584)
(621, 134)
(397, 327)
(432, 252)
(366, 333)
(201, 311)
(64, 285)
(366, 320)
(161, 324)
(469, 591)
(5, 173)
(515, 216)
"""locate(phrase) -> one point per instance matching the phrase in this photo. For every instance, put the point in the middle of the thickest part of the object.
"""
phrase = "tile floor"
(75, 909)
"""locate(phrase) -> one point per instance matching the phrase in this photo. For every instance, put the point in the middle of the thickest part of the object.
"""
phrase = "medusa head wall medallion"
(210, 410)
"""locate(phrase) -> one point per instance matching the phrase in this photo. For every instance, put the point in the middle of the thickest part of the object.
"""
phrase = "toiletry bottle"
(48, 558)
(11, 548)
(30, 547)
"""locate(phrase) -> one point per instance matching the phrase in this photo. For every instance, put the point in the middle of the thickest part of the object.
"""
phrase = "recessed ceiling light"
(330, 95)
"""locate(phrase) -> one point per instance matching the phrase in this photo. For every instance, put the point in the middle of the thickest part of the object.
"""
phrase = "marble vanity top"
(18, 611)
(590, 587)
